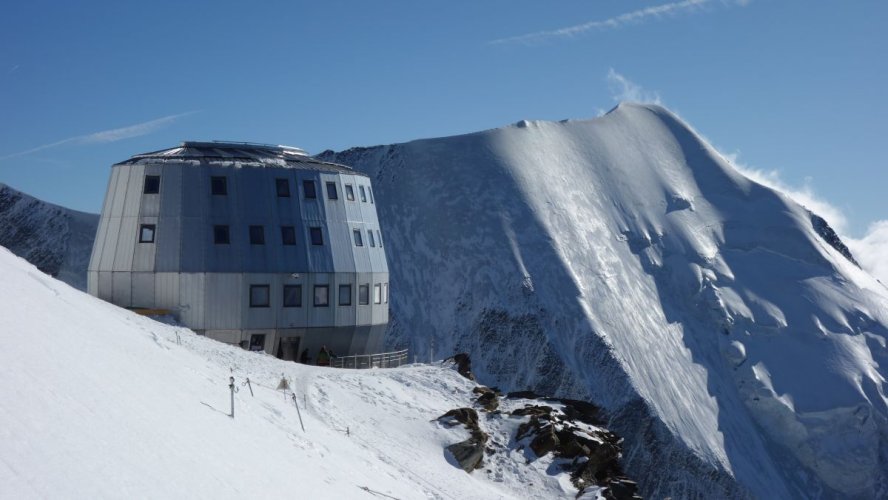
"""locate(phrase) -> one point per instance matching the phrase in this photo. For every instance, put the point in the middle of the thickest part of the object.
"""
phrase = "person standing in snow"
(324, 357)
(304, 358)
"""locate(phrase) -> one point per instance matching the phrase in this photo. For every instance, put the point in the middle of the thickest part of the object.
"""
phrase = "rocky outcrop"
(468, 454)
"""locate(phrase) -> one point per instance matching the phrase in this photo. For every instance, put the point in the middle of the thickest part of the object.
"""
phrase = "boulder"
(468, 454)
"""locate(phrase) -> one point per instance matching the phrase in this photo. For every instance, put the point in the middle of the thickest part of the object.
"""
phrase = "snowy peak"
(55, 239)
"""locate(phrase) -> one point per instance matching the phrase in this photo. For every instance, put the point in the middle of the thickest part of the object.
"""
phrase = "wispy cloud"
(106, 136)
(634, 17)
(624, 89)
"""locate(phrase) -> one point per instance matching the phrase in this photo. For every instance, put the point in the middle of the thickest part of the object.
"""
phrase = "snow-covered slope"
(622, 259)
(55, 239)
(97, 402)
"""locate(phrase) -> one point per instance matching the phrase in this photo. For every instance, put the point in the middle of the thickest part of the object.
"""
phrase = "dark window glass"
(370, 193)
(379, 237)
(259, 295)
(370, 237)
(345, 295)
(220, 235)
(331, 191)
(308, 188)
(257, 235)
(377, 293)
(257, 342)
(152, 184)
(359, 242)
(349, 192)
(364, 295)
(288, 235)
(363, 194)
(219, 185)
(146, 233)
(321, 296)
(283, 187)
(317, 237)
(292, 295)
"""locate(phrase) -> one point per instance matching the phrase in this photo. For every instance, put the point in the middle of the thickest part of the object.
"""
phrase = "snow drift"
(623, 260)
(55, 239)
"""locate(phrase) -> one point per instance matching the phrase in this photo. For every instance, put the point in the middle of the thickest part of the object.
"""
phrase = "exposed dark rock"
(463, 365)
(545, 440)
(465, 416)
(533, 410)
(487, 398)
(523, 395)
(469, 454)
(830, 236)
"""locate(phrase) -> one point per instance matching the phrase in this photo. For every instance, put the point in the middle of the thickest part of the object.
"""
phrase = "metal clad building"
(253, 244)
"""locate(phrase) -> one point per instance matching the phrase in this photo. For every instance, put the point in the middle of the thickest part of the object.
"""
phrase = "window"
(288, 235)
(146, 233)
(349, 192)
(379, 237)
(385, 292)
(220, 235)
(317, 237)
(283, 188)
(370, 193)
(257, 342)
(345, 295)
(292, 295)
(152, 184)
(370, 237)
(377, 293)
(308, 188)
(259, 295)
(364, 295)
(322, 296)
(219, 185)
(331, 191)
(363, 194)
(257, 235)
(359, 242)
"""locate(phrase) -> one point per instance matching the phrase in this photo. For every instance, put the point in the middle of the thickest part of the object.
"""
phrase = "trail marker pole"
(296, 403)
(231, 386)
(248, 384)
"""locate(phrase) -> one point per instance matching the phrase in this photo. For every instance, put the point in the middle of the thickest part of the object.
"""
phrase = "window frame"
(305, 192)
(379, 238)
(363, 193)
(385, 293)
(256, 305)
(332, 191)
(349, 192)
(371, 238)
(358, 238)
(314, 295)
(364, 294)
(282, 182)
(298, 302)
(288, 230)
(316, 231)
(227, 231)
(153, 179)
(150, 227)
(348, 287)
(377, 293)
(261, 239)
(224, 185)
(370, 194)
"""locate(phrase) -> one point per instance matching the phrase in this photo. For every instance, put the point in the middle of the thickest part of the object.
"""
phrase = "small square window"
(257, 235)
(152, 184)
(379, 237)
(370, 237)
(331, 191)
(345, 295)
(364, 295)
(288, 235)
(146, 233)
(363, 194)
(317, 236)
(359, 241)
(259, 295)
(308, 188)
(377, 293)
(283, 188)
(321, 296)
(220, 235)
(349, 192)
(370, 193)
(292, 295)
(219, 185)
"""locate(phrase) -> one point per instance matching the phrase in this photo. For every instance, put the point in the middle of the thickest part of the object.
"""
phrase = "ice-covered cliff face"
(55, 239)
(622, 259)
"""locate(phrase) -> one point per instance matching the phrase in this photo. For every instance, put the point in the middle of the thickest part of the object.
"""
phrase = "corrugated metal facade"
(167, 250)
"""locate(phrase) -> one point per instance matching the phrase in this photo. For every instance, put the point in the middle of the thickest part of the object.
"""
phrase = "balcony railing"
(380, 360)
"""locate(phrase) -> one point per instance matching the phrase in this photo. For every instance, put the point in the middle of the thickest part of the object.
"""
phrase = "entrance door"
(289, 349)
(257, 342)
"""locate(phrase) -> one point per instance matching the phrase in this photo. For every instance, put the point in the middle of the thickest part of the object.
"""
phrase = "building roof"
(236, 155)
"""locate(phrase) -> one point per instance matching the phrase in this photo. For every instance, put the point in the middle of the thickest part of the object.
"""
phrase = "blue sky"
(789, 86)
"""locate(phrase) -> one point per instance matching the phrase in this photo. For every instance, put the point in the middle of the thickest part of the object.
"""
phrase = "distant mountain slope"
(55, 239)
(621, 259)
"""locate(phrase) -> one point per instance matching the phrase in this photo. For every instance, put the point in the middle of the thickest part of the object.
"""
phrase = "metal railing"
(380, 360)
